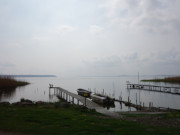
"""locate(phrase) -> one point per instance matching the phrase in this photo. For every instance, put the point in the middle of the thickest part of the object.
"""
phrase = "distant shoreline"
(30, 75)
(165, 80)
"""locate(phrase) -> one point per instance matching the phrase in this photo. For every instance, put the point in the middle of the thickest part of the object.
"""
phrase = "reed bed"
(9, 82)
(166, 80)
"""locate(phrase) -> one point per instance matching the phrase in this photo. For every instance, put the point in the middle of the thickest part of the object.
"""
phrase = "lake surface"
(38, 90)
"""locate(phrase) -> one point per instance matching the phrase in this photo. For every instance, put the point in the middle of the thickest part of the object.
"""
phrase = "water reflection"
(109, 106)
(7, 93)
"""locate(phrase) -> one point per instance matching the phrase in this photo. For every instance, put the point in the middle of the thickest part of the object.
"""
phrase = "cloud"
(159, 16)
(150, 63)
(66, 28)
(106, 62)
(94, 29)
(14, 44)
(42, 38)
(6, 64)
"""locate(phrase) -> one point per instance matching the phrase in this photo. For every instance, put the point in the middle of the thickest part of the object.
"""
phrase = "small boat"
(102, 99)
(83, 92)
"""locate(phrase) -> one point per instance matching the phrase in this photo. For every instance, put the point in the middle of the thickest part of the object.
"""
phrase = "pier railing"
(155, 88)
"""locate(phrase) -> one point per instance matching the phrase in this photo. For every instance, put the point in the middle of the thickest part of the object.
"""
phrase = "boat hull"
(84, 93)
(101, 99)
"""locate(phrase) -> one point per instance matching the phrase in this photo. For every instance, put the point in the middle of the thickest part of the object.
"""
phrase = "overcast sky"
(90, 37)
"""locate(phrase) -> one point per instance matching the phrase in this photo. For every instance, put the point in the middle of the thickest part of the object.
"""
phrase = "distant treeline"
(29, 75)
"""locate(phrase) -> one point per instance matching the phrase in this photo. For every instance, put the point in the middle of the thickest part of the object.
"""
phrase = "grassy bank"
(166, 80)
(51, 119)
(7, 82)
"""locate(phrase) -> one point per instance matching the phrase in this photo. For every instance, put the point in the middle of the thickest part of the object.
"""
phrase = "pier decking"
(154, 88)
(71, 97)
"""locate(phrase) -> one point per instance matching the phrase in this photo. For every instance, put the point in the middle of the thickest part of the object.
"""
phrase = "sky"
(90, 37)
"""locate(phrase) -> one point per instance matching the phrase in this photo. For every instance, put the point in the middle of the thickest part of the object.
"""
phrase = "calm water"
(38, 90)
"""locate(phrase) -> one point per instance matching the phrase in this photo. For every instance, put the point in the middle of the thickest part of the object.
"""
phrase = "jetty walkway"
(71, 97)
(154, 88)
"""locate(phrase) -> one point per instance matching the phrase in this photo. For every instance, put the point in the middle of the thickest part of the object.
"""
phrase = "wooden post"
(49, 91)
(85, 101)
(73, 100)
(136, 98)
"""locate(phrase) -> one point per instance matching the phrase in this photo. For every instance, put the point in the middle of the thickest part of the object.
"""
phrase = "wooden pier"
(71, 97)
(77, 99)
(154, 88)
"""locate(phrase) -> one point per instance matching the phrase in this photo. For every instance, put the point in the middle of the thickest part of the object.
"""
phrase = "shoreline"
(173, 80)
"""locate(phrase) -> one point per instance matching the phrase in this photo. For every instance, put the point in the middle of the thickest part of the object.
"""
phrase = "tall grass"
(166, 80)
(9, 82)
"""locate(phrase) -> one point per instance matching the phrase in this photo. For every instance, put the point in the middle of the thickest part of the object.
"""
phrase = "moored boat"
(83, 92)
(102, 99)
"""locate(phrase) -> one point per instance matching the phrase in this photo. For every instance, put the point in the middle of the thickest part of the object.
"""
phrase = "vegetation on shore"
(53, 119)
(7, 82)
(166, 80)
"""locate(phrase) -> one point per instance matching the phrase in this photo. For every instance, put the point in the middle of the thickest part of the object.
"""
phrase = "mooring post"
(66, 97)
(73, 100)
(136, 98)
(128, 99)
(85, 101)
(49, 91)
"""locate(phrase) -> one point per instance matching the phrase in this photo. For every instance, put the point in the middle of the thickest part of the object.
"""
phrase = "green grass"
(7, 82)
(53, 120)
(171, 115)
(166, 80)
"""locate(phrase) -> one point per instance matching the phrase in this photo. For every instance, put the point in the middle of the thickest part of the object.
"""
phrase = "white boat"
(102, 99)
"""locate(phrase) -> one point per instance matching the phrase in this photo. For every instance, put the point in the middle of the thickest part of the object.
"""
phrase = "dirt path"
(153, 119)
